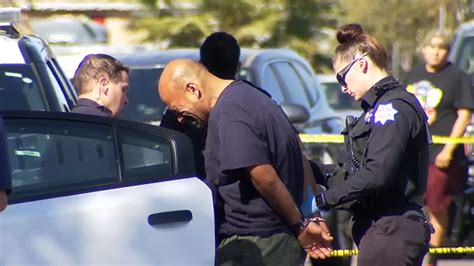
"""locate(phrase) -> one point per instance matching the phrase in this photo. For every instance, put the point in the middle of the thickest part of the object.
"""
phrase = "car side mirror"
(295, 112)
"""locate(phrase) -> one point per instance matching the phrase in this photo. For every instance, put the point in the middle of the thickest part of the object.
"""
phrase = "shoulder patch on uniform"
(384, 113)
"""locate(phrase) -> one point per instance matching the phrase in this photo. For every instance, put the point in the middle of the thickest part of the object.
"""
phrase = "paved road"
(440, 263)
(455, 262)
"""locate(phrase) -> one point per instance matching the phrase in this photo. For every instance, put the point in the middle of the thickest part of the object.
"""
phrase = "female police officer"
(387, 157)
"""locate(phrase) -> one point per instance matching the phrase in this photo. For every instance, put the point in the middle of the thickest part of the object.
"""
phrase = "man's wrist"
(303, 223)
(298, 227)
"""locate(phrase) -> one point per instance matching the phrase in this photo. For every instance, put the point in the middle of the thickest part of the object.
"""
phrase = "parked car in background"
(462, 54)
(145, 71)
(69, 30)
(286, 76)
(30, 76)
(69, 56)
(91, 190)
(342, 103)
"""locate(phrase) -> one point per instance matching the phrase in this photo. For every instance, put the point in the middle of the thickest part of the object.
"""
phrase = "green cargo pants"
(279, 249)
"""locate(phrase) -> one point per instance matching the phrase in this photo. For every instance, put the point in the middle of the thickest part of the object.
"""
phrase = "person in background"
(445, 93)
(102, 84)
(253, 157)
(384, 178)
(5, 169)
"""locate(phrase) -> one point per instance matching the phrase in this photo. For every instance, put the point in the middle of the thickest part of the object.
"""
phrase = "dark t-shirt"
(445, 91)
(5, 169)
(89, 107)
(246, 128)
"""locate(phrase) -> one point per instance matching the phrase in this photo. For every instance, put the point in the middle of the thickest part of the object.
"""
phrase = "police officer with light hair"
(102, 84)
(384, 179)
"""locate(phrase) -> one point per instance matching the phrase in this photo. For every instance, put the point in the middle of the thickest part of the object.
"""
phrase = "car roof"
(156, 57)
(466, 29)
(152, 58)
(13, 55)
(250, 56)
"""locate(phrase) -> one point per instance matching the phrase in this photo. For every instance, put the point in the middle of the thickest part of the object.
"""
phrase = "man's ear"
(193, 91)
(104, 85)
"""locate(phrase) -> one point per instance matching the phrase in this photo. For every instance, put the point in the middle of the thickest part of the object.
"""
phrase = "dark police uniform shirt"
(5, 168)
(89, 107)
(391, 142)
(247, 128)
(445, 91)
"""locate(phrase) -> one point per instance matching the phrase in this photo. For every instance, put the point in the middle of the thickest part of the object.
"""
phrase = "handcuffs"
(298, 227)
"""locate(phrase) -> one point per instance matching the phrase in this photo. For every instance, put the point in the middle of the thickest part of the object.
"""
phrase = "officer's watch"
(321, 202)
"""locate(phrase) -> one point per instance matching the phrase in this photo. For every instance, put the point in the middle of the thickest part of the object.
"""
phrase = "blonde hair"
(93, 67)
(443, 36)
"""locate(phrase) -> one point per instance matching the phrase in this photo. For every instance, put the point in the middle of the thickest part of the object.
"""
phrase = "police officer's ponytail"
(349, 33)
(353, 41)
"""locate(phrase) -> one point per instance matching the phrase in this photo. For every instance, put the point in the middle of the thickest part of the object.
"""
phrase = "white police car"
(30, 76)
(91, 190)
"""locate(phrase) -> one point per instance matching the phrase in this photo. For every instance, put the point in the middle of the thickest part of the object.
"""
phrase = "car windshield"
(144, 102)
(19, 88)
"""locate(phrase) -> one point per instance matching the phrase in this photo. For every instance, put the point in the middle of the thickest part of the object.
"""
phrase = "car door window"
(19, 88)
(271, 85)
(311, 85)
(291, 83)
(145, 156)
(49, 156)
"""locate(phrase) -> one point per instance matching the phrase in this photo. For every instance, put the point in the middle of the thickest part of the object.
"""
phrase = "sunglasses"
(341, 75)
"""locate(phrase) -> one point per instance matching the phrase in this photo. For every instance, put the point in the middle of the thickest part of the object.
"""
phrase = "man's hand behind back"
(316, 240)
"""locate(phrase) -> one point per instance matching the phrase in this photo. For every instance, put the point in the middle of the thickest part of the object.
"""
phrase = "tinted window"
(291, 83)
(19, 89)
(271, 85)
(56, 156)
(144, 102)
(145, 156)
(310, 84)
(465, 58)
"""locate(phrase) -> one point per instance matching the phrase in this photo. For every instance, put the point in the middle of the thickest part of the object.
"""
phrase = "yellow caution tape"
(441, 250)
(308, 138)
(445, 140)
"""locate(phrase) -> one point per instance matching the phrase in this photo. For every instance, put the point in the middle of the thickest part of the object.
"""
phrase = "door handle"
(170, 217)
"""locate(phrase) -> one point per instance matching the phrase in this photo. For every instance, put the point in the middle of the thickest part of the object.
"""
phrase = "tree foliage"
(400, 24)
(299, 24)
(254, 23)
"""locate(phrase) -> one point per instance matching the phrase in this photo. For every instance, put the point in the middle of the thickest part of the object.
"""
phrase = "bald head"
(175, 77)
